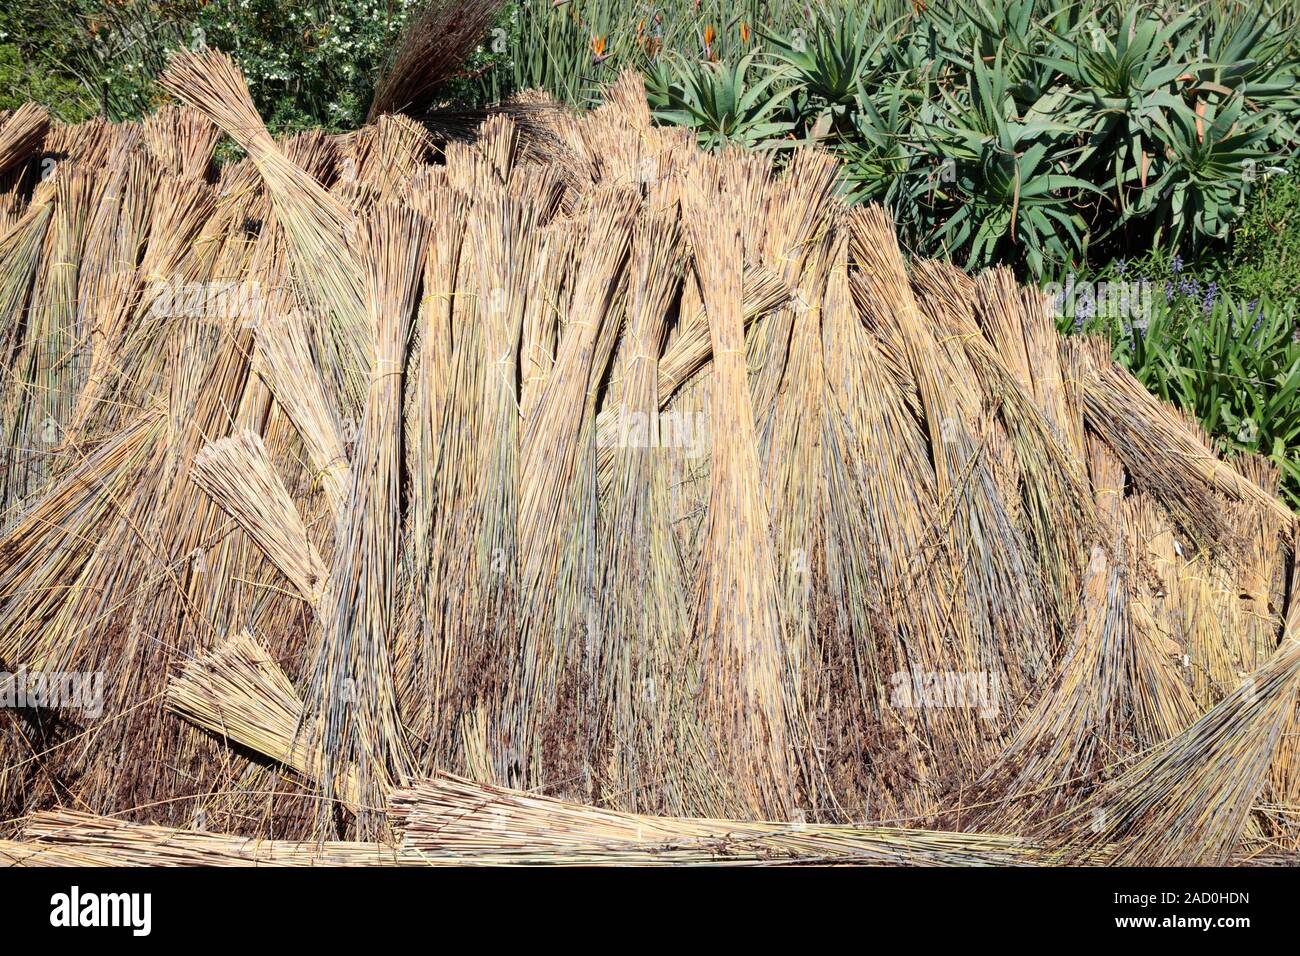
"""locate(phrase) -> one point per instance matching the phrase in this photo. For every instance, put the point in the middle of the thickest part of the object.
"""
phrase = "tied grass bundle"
(555, 493)
(429, 51)
(747, 705)
(240, 694)
(645, 719)
(182, 140)
(351, 716)
(318, 226)
(21, 133)
(237, 474)
(283, 358)
(1183, 471)
(1000, 625)
(76, 838)
(437, 456)
(448, 818)
(1188, 802)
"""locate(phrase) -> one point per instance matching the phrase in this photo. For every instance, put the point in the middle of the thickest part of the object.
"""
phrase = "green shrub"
(1266, 241)
(1021, 132)
(32, 44)
(21, 81)
(307, 64)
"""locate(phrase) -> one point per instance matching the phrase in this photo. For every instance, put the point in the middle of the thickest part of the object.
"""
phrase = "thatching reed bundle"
(351, 714)
(16, 853)
(428, 53)
(1166, 456)
(242, 696)
(283, 359)
(557, 492)
(48, 548)
(561, 494)
(439, 450)
(182, 140)
(21, 346)
(238, 475)
(71, 838)
(318, 226)
(997, 625)
(644, 677)
(21, 132)
(751, 705)
(110, 285)
(450, 818)
(88, 142)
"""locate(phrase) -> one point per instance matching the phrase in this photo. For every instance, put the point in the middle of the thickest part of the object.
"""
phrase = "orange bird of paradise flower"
(744, 33)
(598, 46)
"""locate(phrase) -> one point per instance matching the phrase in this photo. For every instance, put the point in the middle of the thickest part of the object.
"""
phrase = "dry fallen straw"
(563, 494)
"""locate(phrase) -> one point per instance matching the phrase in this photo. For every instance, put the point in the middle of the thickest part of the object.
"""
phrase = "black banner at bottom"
(528, 906)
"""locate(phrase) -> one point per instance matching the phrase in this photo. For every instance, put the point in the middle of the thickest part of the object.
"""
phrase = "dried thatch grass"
(428, 53)
(21, 132)
(563, 457)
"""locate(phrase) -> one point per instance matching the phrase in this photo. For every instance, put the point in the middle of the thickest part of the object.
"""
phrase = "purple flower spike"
(1258, 311)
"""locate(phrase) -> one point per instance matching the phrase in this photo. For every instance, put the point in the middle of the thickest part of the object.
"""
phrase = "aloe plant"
(719, 102)
(1008, 186)
(832, 69)
(1256, 54)
(1118, 88)
(1199, 192)
(879, 159)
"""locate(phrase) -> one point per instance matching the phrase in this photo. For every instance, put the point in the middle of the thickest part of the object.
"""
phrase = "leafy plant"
(1200, 189)
(1237, 368)
(1005, 188)
(1117, 90)
(21, 80)
(832, 68)
(720, 102)
(1266, 241)
(307, 64)
(877, 154)
(312, 64)
(1254, 52)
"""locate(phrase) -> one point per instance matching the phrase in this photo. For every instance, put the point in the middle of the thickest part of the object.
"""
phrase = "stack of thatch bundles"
(569, 460)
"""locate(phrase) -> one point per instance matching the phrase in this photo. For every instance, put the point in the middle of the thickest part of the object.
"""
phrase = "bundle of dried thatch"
(575, 496)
